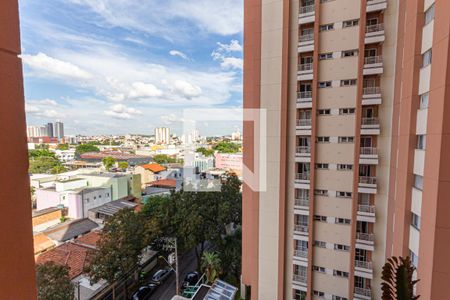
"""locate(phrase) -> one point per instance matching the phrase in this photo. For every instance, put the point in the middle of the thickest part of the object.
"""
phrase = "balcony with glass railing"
(362, 293)
(301, 228)
(304, 96)
(299, 279)
(367, 184)
(373, 65)
(374, 33)
(371, 95)
(303, 151)
(370, 126)
(366, 209)
(365, 237)
(301, 202)
(306, 42)
(304, 123)
(301, 253)
(306, 14)
(368, 155)
(364, 266)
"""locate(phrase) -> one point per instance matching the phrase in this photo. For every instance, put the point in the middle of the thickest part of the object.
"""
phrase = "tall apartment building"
(50, 131)
(162, 135)
(59, 130)
(348, 88)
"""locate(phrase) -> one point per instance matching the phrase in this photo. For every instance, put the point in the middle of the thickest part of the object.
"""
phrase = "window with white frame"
(319, 269)
(324, 56)
(323, 112)
(418, 182)
(324, 84)
(341, 247)
(323, 139)
(342, 221)
(348, 82)
(350, 23)
(345, 139)
(421, 141)
(320, 218)
(320, 192)
(415, 221)
(322, 166)
(426, 58)
(326, 27)
(343, 194)
(320, 244)
(346, 111)
(424, 100)
(429, 15)
(339, 273)
(345, 167)
(349, 53)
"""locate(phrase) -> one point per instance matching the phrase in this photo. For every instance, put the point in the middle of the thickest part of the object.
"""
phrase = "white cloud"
(162, 18)
(120, 111)
(222, 54)
(31, 108)
(50, 66)
(144, 90)
(187, 89)
(178, 53)
(233, 46)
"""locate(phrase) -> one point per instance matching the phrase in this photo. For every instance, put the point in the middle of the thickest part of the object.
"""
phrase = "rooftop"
(114, 154)
(154, 167)
(113, 207)
(71, 229)
(164, 183)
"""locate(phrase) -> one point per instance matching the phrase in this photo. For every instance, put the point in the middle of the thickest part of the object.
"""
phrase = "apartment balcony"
(303, 127)
(376, 5)
(305, 71)
(362, 293)
(366, 213)
(364, 269)
(299, 279)
(301, 229)
(304, 99)
(306, 43)
(367, 185)
(373, 65)
(365, 241)
(368, 156)
(306, 14)
(303, 154)
(302, 203)
(301, 254)
(371, 96)
(370, 126)
(374, 34)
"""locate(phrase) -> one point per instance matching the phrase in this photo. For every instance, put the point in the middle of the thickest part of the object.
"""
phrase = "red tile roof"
(76, 257)
(155, 168)
(170, 183)
(89, 239)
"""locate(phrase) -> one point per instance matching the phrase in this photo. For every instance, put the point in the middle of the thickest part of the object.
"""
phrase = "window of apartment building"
(340, 273)
(429, 15)
(361, 254)
(320, 244)
(299, 295)
(322, 166)
(324, 84)
(341, 247)
(426, 58)
(323, 112)
(325, 1)
(372, 21)
(421, 141)
(320, 192)
(326, 27)
(346, 111)
(319, 269)
(319, 294)
(324, 56)
(415, 221)
(348, 82)
(338, 298)
(307, 2)
(350, 23)
(424, 100)
(418, 182)
(344, 167)
(320, 218)
(414, 258)
(344, 194)
(349, 53)
(345, 139)
(323, 139)
(342, 221)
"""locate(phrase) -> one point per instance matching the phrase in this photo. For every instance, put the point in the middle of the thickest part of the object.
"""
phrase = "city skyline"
(93, 67)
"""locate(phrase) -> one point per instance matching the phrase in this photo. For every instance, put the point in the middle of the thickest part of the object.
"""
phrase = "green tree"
(43, 164)
(119, 247)
(227, 147)
(163, 159)
(230, 255)
(123, 165)
(83, 148)
(205, 152)
(108, 162)
(397, 276)
(211, 266)
(41, 153)
(53, 282)
(58, 169)
(63, 147)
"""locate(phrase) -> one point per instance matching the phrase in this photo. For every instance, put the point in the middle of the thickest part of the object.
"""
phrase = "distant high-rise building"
(357, 131)
(36, 131)
(50, 131)
(59, 130)
(162, 135)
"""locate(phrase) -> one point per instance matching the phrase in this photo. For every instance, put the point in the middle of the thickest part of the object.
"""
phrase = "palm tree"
(397, 276)
(211, 265)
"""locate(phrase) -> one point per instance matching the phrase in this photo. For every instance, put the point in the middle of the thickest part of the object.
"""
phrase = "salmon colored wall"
(17, 279)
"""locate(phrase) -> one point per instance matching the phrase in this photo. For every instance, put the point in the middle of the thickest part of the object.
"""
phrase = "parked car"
(161, 275)
(144, 292)
(191, 278)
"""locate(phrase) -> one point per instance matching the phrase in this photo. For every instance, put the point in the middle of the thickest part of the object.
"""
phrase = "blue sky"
(121, 66)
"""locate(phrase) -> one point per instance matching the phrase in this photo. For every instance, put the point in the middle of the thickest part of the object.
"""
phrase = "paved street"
(167, 290)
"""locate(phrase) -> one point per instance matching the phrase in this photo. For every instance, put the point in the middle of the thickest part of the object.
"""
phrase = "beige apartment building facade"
(346, 85)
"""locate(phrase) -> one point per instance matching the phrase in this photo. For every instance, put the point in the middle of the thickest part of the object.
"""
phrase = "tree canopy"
(119, 247)
(63, 147)
(205, 152)
(164, 159)
(226, 147)
(41, 153)
(53, 282)
(83, 148)
(45, 164)
(108, 162)
(122, 165)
